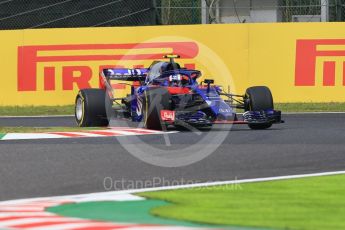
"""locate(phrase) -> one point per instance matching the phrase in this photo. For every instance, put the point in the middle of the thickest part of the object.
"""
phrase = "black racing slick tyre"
(258, 98)
(155, 100)
(92, 108)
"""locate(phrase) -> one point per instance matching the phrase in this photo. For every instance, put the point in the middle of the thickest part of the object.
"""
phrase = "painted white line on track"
(111, 132)
(25, 209)
(66, 226)
(88, 224)
(119, 197)
(24, 214)
(29, 136)
(107, 195)
(77, 134)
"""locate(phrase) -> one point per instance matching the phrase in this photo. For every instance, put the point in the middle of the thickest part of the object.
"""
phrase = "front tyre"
(259, 98)
(92, 108)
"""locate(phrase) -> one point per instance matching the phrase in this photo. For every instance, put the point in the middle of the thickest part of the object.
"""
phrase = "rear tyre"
(258, 98)
(92, 108)
(155, 100)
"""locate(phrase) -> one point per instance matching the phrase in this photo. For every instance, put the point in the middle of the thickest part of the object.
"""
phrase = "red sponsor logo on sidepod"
(168, 115)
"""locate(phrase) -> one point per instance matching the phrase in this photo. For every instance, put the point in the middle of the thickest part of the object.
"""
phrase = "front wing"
(197, 119)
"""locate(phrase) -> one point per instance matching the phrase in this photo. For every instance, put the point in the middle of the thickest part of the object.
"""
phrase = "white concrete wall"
(249, 11)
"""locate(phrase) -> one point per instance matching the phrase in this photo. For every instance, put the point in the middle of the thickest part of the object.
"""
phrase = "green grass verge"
(44, 129)
(36, 110)
(311, 107)
(316, 203)
(69, 109)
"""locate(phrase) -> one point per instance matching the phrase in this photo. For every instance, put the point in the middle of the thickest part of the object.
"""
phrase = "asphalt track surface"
(306, 143)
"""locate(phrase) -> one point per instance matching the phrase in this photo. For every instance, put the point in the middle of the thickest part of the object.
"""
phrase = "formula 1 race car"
(166, 94)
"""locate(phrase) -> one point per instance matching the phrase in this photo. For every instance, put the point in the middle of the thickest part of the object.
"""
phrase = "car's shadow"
(214, 128)
(221, 129)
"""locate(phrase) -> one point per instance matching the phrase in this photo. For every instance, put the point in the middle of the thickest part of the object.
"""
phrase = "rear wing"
(125, 74)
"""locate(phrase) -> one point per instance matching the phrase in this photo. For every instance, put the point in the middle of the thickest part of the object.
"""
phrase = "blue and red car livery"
(165, 94)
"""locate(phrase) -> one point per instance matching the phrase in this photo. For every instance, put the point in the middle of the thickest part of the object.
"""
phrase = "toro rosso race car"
(166, 94)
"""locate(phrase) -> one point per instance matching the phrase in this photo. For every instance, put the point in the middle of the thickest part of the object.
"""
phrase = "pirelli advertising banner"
(301, 62)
